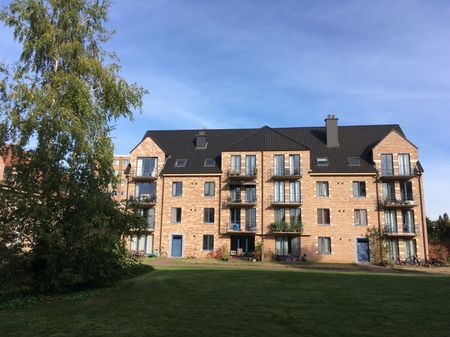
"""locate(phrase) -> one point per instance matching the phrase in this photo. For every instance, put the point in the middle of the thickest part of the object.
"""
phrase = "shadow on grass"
(82, 292)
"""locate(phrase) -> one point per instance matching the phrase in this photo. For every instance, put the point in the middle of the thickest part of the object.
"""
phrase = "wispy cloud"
(282, 63)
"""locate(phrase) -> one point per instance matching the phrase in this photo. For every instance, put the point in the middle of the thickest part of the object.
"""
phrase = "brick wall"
(342, 229)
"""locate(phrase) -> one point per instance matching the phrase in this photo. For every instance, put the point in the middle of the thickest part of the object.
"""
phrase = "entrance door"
(177, 246)
(362, 250)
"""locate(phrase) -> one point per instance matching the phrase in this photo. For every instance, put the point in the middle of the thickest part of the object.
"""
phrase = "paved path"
(201, 263)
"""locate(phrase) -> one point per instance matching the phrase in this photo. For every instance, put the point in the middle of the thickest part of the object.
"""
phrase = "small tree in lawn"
(378, 246)
(57, 106)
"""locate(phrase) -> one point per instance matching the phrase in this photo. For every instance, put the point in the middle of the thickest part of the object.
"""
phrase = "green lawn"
(227, 302)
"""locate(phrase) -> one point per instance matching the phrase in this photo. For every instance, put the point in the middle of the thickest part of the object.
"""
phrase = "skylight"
(180, 162)
(322, 161)
(209, 162)
(354, 160)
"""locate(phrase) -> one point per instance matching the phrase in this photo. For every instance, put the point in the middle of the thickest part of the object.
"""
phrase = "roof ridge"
(245, 137)
(291, 139)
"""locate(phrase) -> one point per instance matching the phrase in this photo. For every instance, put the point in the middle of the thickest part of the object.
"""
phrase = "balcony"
(235, 227)
(286, 173)
(405, 231)
(146, 175)
(145, 200)
(393, 202)
(399, 173)
(284, 227)
(244, 202)
(293, 200)
(242, 173)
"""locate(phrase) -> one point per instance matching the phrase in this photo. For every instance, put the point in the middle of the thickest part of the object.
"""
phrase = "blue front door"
(362, 250)
(177, 246)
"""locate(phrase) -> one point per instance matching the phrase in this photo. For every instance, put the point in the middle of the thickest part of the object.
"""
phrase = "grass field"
(186, 301)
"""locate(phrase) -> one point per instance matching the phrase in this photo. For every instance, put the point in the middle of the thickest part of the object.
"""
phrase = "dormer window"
(180, 163)
(209, 162)
(322, 161)
(354, 160)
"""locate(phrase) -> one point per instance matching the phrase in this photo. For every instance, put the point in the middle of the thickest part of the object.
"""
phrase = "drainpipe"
(220, 203)
(262, 207)
(162, 209)
(422, 209)
(378, 212)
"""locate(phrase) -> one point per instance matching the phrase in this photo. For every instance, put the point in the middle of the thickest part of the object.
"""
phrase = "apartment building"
(120, 164)
(294, 191)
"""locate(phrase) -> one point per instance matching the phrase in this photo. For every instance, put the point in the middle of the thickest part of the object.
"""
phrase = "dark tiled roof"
(266, 139)
(354, 141)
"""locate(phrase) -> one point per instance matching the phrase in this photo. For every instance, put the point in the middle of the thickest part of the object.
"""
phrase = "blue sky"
(220, 64)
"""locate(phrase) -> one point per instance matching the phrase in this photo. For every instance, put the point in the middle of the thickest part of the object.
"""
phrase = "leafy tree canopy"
(58, 103)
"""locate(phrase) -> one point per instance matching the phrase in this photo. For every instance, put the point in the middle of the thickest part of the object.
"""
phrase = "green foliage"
(283, 226)
(439, 230)
(377, 246)
(58, 104)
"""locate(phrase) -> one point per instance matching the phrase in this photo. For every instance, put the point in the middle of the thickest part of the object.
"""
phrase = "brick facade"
(340, 202)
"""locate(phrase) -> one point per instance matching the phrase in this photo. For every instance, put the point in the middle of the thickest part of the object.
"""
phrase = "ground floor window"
(324, 245)
(142, 243)
(286, 245)
(241, 243)
(410, 248)
(393, 249)
(208, 242)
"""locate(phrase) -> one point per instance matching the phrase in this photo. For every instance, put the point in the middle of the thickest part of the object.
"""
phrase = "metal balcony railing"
(246, 201)
(398, 173)
(248, 173)
(286, 173)
(146, 175)
(405, 230)
(286, 227)
(144, 199)
(286, 200)
(236, 227)
(405, 201)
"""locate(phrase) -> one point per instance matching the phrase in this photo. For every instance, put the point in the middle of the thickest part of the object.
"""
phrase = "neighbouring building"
(294, 191)
(6, 169)
(120, 164)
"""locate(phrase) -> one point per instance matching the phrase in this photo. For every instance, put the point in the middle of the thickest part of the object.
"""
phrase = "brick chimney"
(201, 141)
(332, 131)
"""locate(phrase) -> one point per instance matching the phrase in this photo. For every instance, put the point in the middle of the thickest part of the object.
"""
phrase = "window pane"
(360, 217)
(403, 165)
(323, 216)
(294, 164)
(236, 164)
(210, 189)
(322, 189)
(177, 189)
(278, 164)
(294, 191)
(359, 188)
(208, 242)
(279, 191)
(208, 215)
(324, 245)
(279, 215)
(387, 168)
(250, 165)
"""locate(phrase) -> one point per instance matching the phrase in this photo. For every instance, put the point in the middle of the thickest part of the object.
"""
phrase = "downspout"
(378, 213)
(422, 209)
(220, 203)
(162, 208)
(262, 207)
